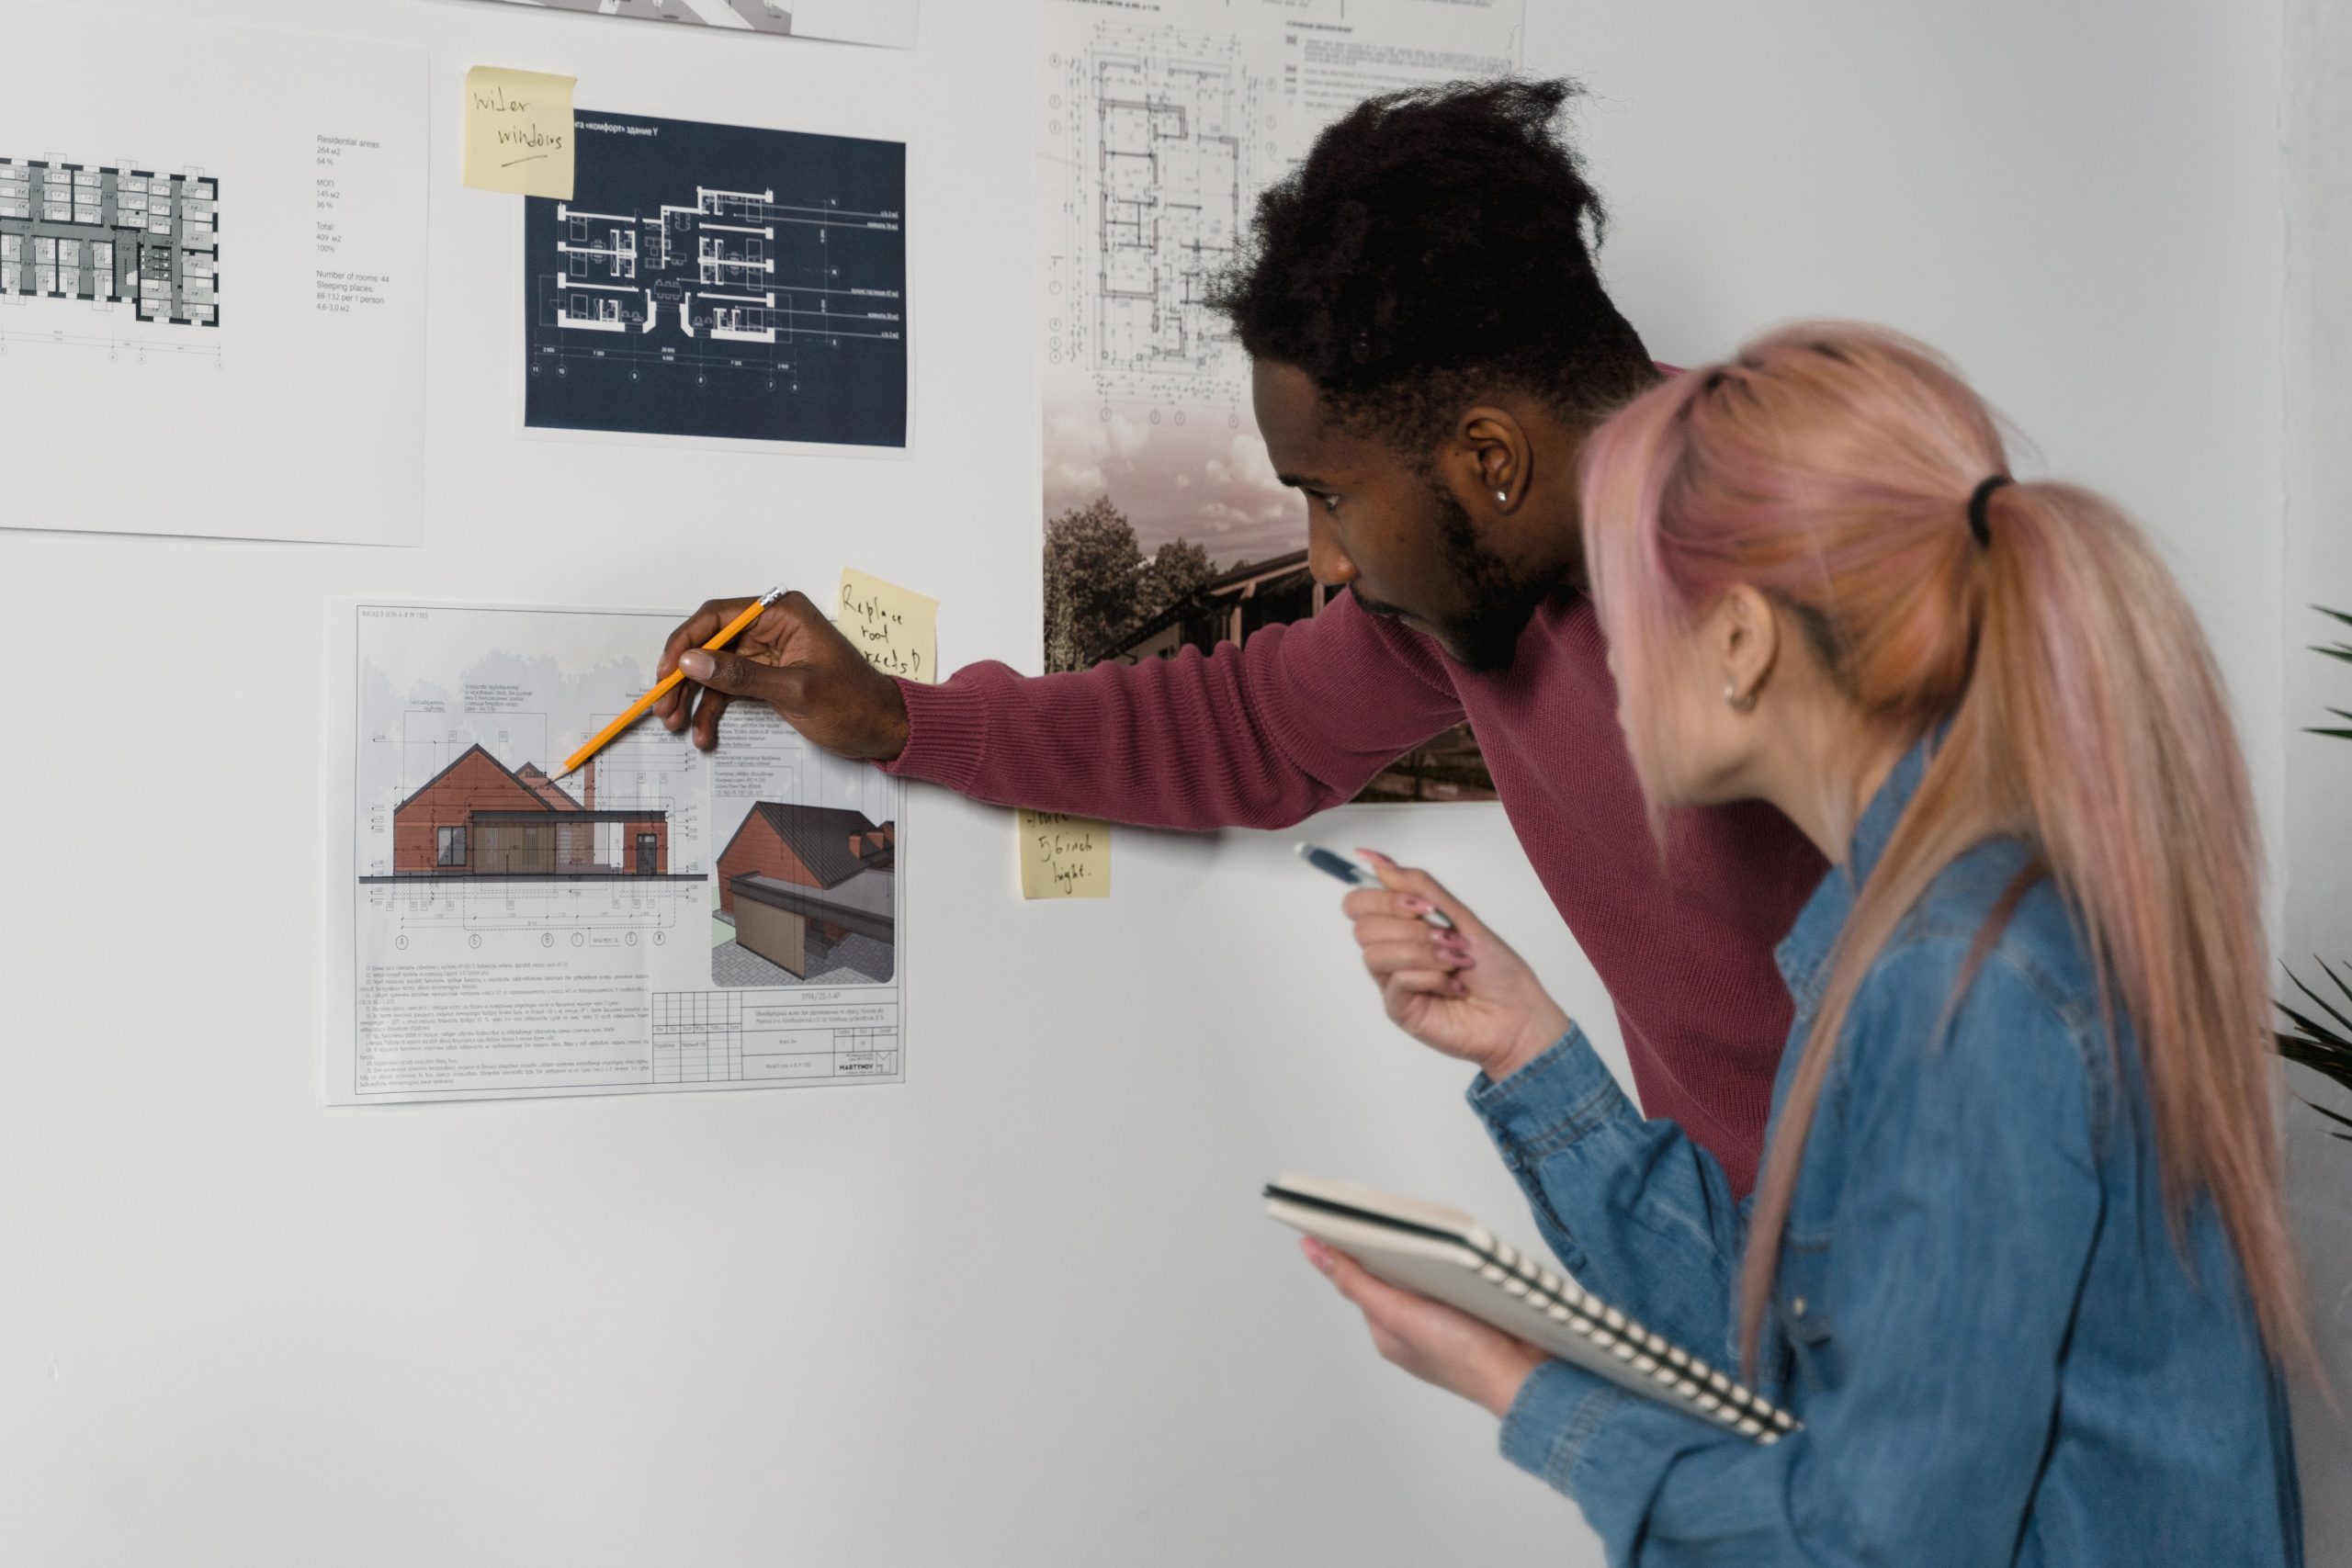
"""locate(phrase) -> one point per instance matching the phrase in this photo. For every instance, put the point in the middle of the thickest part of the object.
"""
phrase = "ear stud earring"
(1734, 701)
(1502, 496)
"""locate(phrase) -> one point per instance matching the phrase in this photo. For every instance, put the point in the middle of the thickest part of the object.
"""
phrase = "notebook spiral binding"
(1700, 1386)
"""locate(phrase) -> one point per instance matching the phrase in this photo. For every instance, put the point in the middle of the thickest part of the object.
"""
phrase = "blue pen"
(1355, 873)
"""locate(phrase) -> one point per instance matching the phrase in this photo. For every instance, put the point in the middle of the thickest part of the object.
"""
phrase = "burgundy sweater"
(1298, 717)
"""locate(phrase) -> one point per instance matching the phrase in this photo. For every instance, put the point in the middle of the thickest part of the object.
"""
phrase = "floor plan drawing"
(1171, 119)
(112, 236)
(720, 281)
(509, 929)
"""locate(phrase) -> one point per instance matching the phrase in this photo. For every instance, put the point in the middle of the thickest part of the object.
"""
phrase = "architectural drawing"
(1159, 128)
(112, 236)
(890, 22)
(478, 817)
(510, 933)
(758, 16)
(810, 890)
(719, 281)
(1172, 168)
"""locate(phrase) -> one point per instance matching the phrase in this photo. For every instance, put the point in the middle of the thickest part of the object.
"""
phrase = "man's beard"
(1484, 635)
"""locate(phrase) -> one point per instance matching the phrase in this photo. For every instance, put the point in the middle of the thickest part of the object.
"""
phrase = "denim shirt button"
(1797, 1306)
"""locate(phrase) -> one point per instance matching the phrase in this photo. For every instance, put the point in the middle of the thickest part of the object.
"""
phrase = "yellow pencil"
(636, 710)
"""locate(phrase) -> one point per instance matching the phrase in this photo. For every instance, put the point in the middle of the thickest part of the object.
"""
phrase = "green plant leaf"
(2322, 1002)
(2339, 615)
(2323, 1111)
(2329, 970)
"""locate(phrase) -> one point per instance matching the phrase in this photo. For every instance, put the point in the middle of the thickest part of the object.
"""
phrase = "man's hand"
(793, 660)
(1430, 1340)
(1462, 991)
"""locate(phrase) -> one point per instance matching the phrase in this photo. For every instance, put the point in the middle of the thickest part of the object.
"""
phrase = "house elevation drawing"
(478, 817)
(710, 280)
(112, 236)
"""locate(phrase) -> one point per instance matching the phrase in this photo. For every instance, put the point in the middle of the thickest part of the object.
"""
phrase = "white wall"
(2317, 158)
(1022, 1309)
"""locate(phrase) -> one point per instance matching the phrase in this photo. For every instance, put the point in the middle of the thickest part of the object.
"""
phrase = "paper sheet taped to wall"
(1063, 856)
(664, 919)
(519, 136)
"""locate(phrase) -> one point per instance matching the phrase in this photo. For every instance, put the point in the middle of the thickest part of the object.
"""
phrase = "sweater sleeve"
(1294, 719)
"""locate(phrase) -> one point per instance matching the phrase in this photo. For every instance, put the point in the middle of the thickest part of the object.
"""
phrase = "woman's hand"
(1464, 992)
(1430, 1340)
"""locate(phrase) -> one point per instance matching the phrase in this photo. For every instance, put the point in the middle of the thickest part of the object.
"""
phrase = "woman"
(2016, 1259)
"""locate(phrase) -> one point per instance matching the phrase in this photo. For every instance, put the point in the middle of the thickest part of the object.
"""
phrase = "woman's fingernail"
(1374, 854)
(1316, 1254)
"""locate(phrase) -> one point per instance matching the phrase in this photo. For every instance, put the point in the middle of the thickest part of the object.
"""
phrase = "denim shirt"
(2000, 1352)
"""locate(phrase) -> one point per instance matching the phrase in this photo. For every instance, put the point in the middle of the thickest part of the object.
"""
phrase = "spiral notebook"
(1444, 1253)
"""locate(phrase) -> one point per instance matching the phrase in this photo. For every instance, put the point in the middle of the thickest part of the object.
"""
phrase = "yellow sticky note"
(896, 629)
(1063, 856)
(518, 131)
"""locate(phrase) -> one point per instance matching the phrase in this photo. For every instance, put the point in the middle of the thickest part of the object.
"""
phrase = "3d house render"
(791, 867)
(478, 817)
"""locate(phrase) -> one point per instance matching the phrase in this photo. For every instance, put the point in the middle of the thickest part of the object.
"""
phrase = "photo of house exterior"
(809, 892)
(1229, 607)
(478, 817)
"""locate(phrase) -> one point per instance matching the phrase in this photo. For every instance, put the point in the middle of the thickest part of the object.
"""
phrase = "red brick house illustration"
(789, 867)
(478, 817)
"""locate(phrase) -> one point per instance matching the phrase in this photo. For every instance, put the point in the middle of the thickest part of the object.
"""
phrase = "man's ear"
(1745, 632)
(1494, 458)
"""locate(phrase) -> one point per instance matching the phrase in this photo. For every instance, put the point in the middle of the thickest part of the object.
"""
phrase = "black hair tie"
(1977, 526)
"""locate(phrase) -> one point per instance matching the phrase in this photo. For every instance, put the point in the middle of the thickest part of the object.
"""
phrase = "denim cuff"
(1559, 1411)
(1549, 1103)
(947, 734)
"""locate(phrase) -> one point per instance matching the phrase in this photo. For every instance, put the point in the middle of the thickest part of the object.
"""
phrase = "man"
(1429, 340)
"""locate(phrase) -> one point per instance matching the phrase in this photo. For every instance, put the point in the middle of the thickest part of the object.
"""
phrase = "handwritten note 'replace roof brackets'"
(896, 629)
(518, 131)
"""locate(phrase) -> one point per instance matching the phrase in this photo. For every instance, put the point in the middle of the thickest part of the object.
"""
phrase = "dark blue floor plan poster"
(718, 280)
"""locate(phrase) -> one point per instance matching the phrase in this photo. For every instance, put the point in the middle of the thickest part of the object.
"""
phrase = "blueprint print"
(890, 22)
(509, 929)
(719, 281)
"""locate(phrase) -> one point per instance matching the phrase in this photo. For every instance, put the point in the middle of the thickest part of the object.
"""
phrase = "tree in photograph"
(1177, 567)
(1093, 566)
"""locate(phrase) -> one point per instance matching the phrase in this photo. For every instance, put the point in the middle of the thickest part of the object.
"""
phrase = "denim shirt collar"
(1803, 954)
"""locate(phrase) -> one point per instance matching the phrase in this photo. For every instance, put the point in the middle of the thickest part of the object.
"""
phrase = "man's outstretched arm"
(1296, 719)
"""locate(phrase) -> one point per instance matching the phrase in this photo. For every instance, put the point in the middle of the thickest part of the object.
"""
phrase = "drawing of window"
(453, 846)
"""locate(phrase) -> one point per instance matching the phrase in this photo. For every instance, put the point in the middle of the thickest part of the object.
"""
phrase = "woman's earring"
(1737, 703)
(1502, 498)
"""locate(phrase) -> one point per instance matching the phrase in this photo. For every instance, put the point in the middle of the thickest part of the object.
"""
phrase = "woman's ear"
(1747, 635)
